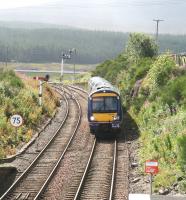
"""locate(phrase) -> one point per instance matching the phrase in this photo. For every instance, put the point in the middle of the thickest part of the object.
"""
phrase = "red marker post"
(151, 167)
(41, 79)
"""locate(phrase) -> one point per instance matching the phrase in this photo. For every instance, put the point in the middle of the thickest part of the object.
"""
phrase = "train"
(104, 106)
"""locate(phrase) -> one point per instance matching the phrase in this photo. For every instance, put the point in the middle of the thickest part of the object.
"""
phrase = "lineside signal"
(46, 78)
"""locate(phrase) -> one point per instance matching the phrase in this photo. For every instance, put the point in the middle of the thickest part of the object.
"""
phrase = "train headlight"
(116, 117)
(92, 118)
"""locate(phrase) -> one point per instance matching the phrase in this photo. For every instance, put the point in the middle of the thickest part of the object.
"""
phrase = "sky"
(6, 4)
(106, 3)
(113, 15)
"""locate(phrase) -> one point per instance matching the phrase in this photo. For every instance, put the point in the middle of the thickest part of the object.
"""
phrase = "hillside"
(42, 43)
(153, 90)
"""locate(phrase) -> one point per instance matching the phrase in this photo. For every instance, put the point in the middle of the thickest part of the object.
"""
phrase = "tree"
(140, 46)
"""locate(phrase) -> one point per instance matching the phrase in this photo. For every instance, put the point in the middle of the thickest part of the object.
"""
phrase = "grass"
(19, 95)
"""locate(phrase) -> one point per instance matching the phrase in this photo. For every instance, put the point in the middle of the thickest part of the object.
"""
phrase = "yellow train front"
(104, 106)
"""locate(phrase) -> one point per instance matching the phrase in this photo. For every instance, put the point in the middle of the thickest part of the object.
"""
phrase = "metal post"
(74, 72)
(157, 27)
(75, 53)
(16, 131)
(6, 61)
(62, 63)
(150, 183)
(40, 92)
(66, 56)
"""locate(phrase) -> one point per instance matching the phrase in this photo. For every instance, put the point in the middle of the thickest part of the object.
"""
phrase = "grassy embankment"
(20, 96)
(153, 89)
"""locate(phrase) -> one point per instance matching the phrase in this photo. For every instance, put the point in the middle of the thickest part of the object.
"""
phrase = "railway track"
(77, 166)
(35, 178)
(120, 183)
(98, 179)
(121, 189)
(66, 180)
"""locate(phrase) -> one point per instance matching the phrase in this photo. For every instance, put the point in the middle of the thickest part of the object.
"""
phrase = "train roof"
(98, 84)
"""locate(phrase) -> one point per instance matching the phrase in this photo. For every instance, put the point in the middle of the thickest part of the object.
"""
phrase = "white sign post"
(16, 121)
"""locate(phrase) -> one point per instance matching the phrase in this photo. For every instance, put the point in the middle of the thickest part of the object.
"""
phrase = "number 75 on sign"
(16, 120)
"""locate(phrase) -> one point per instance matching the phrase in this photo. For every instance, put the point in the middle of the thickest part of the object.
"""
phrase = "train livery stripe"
(104, 95)
(104, 117)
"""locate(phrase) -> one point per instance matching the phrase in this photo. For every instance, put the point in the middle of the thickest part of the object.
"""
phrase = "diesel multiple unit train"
(104, 106)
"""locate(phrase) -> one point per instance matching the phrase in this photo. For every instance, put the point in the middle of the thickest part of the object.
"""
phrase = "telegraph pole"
(157, 27)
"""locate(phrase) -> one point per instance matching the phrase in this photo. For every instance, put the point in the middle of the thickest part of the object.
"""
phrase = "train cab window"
(98, 104)
(104, 104)
(111, 104)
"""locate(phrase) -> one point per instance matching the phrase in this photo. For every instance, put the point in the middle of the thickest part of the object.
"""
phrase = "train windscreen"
(104, 104)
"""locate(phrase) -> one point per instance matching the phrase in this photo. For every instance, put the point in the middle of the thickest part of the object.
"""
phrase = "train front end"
(104, 111)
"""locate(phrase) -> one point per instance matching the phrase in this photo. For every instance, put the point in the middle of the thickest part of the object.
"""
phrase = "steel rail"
(78, 88)
(62, 155)
(85, 172)
(78, 193)
(79, 91)
(116, 155)
(114, 159)
(38, 156)
(113, 170)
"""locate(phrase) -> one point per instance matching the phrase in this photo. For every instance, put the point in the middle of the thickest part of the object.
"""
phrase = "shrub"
(140, 46)
(181, 140)
(20, 97)
(111, 68)
(159, 74)
(174, 92)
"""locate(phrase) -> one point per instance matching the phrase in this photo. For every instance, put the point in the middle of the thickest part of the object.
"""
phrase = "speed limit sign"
(16, 120)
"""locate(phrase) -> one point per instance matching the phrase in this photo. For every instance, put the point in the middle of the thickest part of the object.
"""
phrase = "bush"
(159, 74)
(127, 78)
(174, 92)
(181, 140)
(10, 77)
(111, 68)
(140, 46)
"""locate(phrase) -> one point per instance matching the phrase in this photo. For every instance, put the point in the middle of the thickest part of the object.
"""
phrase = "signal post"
(41, 80)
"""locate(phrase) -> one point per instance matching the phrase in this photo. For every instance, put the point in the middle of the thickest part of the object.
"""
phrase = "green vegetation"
(29, 45)
(20, 96)
(153, 89)
(140, 46)
(25, 43)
